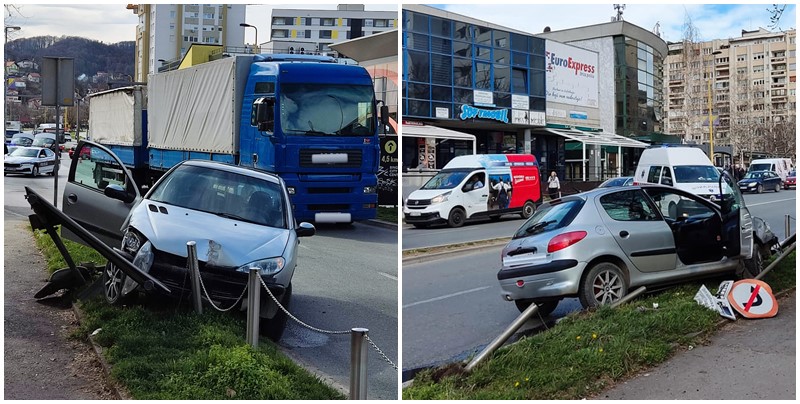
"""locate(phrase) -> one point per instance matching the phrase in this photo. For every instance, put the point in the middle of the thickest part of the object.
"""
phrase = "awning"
(369, 47)
(436, 132)
(597, 138)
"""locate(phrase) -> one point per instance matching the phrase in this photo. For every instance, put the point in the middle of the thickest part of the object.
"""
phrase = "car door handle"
(72, 198)
(624, 234)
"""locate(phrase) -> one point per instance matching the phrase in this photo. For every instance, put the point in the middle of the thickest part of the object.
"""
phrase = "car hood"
(220, 241)
(19, 160)
(422, 194)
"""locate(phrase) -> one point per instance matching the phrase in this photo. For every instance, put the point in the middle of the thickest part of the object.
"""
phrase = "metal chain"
(202, 285)
(295, 318)
(389, 361)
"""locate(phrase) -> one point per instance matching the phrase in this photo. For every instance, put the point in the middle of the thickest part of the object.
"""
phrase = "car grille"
(417, 203)
(10, 165)
(353, 158)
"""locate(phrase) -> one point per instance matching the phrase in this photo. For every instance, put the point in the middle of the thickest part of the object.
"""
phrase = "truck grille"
(353, 158)
(329, 208)
(330, 190)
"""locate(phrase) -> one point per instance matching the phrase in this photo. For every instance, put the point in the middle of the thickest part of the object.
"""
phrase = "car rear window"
(550, 217)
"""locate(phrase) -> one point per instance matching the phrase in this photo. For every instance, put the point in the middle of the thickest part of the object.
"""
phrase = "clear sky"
(111, 23)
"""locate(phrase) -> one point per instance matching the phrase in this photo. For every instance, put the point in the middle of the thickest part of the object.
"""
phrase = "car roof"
(33, 147)
(253, 172)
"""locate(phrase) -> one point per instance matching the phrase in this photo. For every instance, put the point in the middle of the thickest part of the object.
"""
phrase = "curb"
(457, 251)
(381, 223)
(324, 378)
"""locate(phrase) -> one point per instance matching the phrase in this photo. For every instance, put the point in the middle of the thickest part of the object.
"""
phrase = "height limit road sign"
(753, 299)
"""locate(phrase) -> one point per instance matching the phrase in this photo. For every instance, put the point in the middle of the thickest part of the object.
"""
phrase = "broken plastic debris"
(97, 331)
(655, 305)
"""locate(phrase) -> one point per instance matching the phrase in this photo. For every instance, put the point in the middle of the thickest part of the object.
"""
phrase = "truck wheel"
(456, 218)
(545, 308)
(274, 327)
(527, 211)
(603, 284)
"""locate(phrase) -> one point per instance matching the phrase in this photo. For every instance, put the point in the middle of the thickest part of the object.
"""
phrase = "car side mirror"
(305, 230)
(117, 192)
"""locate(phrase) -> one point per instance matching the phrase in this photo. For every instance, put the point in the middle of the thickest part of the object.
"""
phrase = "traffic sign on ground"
(753, 299)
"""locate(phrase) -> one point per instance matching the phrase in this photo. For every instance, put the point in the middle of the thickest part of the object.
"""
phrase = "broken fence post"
(358, 364)
(502, 338)
(194, 277)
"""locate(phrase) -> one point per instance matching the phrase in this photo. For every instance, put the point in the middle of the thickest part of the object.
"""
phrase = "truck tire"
(456, 217)
(527, 211)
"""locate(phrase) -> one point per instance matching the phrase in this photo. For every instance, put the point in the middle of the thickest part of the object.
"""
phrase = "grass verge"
(588, 351)
(387, 213)
(159, 353)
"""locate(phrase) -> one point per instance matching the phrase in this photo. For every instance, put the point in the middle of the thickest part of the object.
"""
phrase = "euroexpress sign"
(572, 75)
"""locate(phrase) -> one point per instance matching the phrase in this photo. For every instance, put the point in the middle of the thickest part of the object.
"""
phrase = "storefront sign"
(556, 112)
(520, 117)
(469, 112)
(442, 113)
(483, 97)
(387, 171)
(571, 75)
(520, 102)
(578, 115)
(537, 118)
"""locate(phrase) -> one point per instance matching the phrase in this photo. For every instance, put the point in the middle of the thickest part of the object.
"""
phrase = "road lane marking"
(764, 203)
(388, 276)
(463, 292)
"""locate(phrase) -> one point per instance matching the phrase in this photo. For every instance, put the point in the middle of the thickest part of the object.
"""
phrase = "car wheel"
(274, 327)
(759, 188)
(35, 171)
(755, 264)
(421, 225)
(603, 284)
(545, 308)
(528, 209)
(456, 218)
(113, 281)
(778, 187)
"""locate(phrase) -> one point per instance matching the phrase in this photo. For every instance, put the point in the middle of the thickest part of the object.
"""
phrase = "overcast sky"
(113, 23)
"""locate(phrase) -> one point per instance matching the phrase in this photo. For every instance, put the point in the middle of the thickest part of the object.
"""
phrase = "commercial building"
(509, 90)
(166, 31)
(313, 31)
(749, 82)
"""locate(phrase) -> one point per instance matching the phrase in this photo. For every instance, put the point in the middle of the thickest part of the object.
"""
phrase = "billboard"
(571, 75)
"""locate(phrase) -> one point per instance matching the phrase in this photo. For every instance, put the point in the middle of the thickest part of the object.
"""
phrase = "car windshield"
(446, 180)
(791, 174)
(43, 142)
(24, 152)
(223, 193)
(550, 217)
(760, 167)
(326, 110)
(696, 174)
(21, 141)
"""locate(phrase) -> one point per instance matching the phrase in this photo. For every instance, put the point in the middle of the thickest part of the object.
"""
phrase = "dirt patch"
(40, 359)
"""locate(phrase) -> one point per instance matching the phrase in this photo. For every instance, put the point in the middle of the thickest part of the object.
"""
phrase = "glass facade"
(639, 88)
(444, 61)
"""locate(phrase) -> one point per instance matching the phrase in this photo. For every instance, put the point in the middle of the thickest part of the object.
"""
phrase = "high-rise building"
(312, 31)
(748, 82)
(165, 31)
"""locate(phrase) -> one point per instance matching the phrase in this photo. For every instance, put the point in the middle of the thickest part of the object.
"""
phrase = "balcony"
(777, 59)
(775, 73)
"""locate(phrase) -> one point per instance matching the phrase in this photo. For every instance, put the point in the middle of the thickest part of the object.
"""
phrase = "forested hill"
(90, 56)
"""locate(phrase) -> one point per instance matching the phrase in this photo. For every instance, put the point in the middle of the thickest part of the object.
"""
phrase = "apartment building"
(748, 82)
(313, 31)
(165, 31)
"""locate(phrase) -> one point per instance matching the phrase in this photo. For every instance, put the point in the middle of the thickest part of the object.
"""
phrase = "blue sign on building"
(469, 112)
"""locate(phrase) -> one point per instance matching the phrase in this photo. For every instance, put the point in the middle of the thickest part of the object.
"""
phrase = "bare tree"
(776, 12)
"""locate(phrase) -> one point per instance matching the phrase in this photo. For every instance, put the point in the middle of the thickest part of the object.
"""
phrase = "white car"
(30, 160)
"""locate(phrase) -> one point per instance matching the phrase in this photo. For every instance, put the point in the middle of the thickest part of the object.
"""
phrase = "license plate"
(414, 214)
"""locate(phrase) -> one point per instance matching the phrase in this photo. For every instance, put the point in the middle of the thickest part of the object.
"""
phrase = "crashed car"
(30, 160)
(600, 244)
(240, 218)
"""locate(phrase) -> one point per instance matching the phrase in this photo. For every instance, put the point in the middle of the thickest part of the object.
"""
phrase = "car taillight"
(565, 240)
(635, 183)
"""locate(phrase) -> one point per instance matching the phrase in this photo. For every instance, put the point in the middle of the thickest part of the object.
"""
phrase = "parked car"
(791, 180)
(780, 166)
(617, 182)
(239, 217)
(598, 245)
(758, 181)
(30, 160)
(47, 140)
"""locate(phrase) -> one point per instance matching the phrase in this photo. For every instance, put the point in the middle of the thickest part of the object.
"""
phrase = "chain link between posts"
(202, 285)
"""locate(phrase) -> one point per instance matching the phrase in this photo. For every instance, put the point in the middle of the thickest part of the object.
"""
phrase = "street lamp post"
(11, 28)
(710, 117)
(253, 27)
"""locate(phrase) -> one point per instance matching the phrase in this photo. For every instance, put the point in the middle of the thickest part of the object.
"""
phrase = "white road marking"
(764, 203)
(463, 292)
(388, 276)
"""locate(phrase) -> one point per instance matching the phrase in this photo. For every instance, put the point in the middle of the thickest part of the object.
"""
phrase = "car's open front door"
(93, 169)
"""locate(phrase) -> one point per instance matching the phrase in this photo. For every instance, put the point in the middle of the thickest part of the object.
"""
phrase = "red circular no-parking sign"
(753, 299)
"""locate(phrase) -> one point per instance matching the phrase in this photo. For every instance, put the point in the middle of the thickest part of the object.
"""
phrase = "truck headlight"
(369, 190)
(441, 198)
(268, 266)
(290, 190)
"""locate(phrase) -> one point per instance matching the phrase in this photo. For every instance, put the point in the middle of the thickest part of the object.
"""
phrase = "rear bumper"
(557, 278)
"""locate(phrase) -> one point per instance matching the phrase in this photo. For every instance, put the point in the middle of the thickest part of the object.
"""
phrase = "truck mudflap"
(47, 217)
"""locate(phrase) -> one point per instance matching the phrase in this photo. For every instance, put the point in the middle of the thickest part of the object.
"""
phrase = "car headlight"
(752, 184)
(268, 266)
(131, 241)
(369, 190)
(441, 198)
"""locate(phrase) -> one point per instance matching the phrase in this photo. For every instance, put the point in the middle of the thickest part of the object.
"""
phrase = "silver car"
(239, 217)
(600, 244)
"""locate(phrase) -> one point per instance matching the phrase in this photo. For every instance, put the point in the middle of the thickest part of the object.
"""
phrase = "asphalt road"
(452, 306)
(346, 277)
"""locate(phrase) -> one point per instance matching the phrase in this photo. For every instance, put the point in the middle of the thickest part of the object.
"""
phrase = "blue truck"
(308, 119)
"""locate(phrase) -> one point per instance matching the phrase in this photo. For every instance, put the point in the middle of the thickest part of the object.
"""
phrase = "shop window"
(462, 31)
(462, 49)
(441, 69)
(418, 66)
(483, 36)
(519, 82)
(441, 27)
(502, 56)
(483, 52)
(440, 93)
(419, 108)
(462, 72)
(519, 59)
(502, 78)
(519, 42)
(416, 90)
(462, 96)
(537, 83)
(501, 39)
(483, 76)
(441, 45)
(417, 42)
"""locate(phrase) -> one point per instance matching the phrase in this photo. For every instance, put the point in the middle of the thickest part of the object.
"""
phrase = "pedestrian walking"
(553, 186)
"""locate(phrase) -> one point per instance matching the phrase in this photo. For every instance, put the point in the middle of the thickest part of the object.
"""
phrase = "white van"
(682, 167)
(473, 186)
(780, 166)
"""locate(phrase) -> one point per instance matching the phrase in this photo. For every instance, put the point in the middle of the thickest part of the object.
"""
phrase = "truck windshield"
(326, 110)
(446, 180)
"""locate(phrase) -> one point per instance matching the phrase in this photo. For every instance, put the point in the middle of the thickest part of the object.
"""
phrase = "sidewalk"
(747, 359)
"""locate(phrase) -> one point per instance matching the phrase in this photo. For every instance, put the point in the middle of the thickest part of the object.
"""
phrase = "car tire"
(113, 282)
(35, 171)
(603, 284)
(274, 327)
(528, 209)
(759, 188)
(421, 225)
(456, 217)
(755, 264)
(545, 308)
(777, 187)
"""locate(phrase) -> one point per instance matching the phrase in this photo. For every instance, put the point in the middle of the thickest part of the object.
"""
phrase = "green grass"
(588, 351)
(172, 353)
(388, 214)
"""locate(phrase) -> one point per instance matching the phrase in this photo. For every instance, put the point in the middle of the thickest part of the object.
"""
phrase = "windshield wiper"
(539, 226)
(234, 217)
